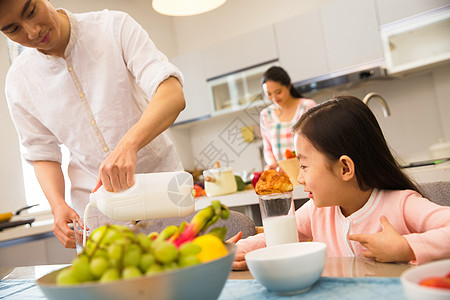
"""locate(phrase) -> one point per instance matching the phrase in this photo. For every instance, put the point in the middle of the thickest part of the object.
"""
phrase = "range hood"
(353, 76)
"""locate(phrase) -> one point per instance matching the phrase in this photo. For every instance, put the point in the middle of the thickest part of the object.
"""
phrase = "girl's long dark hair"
(344, 125)
(279, 75)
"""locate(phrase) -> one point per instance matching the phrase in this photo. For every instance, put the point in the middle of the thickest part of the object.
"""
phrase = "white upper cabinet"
(301, 46)
(351, 33)
(240, 52)
(195, 88)
(393, 10)
(340, 35)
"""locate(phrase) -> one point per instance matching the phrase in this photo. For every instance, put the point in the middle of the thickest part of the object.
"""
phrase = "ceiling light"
(185, 7)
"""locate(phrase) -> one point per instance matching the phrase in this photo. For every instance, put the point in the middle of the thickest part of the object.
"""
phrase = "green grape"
(81, 270)
(101, 252)
(170, 266)
(65, 277)
(132, 255)
(115, 251)
(112, 235)
(188, 260)
(144, 241)
(98, 266)
(147, 260)
(189, 249)
(97, 234)
(131, 272)
(165, 252)
(155, 268)
(110, 275)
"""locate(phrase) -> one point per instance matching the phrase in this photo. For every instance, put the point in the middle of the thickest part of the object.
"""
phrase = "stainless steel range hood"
(351, 76)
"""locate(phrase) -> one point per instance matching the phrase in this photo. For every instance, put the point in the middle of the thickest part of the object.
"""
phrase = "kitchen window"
(33, 191)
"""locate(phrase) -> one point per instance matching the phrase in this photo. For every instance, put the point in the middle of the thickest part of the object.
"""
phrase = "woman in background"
(276, 120)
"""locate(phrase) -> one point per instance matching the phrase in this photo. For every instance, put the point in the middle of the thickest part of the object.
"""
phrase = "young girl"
(361, 202)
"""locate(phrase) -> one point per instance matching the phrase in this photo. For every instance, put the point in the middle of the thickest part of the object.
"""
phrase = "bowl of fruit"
(429, 281)
(181, 262)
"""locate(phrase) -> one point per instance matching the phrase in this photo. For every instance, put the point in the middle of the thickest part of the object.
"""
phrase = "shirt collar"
(73, 32)
(364, 211)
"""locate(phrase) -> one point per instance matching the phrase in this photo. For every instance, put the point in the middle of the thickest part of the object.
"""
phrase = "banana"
(5, 216)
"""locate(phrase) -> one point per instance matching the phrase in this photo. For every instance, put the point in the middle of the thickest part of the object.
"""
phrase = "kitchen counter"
(243, 198)
(42, 226)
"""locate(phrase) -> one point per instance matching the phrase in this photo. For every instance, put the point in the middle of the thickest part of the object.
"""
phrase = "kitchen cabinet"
(44, 249)
(198, 104)
(338, 36)
(239, 90)
(390, 11)
(303, 54)
(418, 41)
(351, 34)
(240, 52)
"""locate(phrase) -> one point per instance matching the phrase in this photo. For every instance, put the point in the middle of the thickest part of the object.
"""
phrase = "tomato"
(437, 282)
(289, 154)
(198, 191)
(255, 178)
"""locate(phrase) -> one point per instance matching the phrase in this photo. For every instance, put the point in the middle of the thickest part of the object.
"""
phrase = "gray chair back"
(235, 223)
(437, 192)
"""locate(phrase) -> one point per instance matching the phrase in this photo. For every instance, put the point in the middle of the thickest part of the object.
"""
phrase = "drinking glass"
(78, 228)
(278, 218)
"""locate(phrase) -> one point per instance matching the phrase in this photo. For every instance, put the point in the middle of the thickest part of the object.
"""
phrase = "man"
(96, 83)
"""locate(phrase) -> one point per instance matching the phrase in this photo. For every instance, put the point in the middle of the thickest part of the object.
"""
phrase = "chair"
(437, 192)
(236, 222)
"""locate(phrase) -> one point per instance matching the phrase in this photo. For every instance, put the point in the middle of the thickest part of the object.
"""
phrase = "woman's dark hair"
(344, 125)
(279, 75)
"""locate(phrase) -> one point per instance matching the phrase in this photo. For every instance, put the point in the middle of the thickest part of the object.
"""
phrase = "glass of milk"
(91, 223)
(277, 213)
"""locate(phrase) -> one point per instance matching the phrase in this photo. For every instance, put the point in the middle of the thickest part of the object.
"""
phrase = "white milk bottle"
(154, 195)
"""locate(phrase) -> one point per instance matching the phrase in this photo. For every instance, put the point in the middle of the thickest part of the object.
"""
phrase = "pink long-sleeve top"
(424, 224)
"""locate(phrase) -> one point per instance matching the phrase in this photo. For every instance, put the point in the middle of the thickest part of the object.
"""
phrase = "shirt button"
(92, 122)
(81, 95)
(105, 149)
(70, 69)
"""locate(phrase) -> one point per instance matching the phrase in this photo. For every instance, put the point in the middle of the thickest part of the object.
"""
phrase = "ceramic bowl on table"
(288, 268)
(202, 281)
(412, 277)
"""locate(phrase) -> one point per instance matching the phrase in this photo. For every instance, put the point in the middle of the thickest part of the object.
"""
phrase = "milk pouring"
(154, 195)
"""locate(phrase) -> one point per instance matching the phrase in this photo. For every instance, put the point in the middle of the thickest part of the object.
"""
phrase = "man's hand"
(385, 246)
(116, 172)
(64, 215)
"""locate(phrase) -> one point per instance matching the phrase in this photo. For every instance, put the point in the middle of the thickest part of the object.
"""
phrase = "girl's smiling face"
(317, 174)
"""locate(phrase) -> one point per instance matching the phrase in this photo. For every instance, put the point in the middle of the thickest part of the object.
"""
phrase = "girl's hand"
(239, 263)
(385, 246)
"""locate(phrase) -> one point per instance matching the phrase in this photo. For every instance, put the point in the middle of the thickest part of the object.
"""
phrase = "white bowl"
(289, 268)
(410, 281)
(202, 281)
